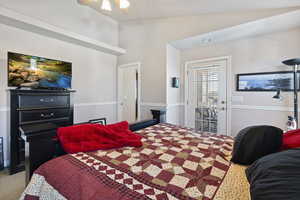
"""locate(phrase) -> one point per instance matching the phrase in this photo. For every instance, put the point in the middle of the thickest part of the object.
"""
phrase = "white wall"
(145, 42)
(175, 109)
(94, 73)
(257, 54)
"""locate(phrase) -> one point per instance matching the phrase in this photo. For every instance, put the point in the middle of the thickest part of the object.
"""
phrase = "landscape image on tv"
(33, 71)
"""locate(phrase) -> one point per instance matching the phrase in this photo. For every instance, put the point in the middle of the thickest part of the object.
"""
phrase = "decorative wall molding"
(95, 104)
(266, 108)
(153, 104)
(6, 109)
(15, 19)
(161, 104)
(234, 107)
(175, 105)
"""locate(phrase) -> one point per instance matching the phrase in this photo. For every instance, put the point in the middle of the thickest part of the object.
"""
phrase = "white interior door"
(207, 100)
(128, 92)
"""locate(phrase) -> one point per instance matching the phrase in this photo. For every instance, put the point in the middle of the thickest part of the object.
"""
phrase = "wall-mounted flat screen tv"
(37, 72)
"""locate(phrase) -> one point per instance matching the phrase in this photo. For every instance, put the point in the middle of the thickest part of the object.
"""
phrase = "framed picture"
(101, 121)
(266, 81)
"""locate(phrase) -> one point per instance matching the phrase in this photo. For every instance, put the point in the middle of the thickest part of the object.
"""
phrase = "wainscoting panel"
(242, 118)
(86, 111)
(146, 107)
(175, 114)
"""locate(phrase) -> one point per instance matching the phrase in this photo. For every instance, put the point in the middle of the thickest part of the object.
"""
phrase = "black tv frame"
(50, 88)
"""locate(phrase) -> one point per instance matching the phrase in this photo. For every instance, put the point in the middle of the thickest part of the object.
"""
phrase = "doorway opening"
(129, 92)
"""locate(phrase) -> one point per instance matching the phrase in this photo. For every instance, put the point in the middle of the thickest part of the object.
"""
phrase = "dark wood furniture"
(1, 154)
(39, 146)
(34, 116)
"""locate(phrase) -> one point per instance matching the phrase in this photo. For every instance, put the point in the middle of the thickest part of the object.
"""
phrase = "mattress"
(173, 163)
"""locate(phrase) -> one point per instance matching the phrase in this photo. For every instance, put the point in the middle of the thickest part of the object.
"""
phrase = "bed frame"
(49, 147)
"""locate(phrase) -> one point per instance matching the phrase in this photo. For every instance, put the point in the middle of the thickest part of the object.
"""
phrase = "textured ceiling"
(151, 9)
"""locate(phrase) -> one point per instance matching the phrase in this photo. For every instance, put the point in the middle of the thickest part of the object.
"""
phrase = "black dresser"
(35, 114)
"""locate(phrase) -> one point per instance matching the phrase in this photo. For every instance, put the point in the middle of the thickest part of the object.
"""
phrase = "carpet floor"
(11, 187)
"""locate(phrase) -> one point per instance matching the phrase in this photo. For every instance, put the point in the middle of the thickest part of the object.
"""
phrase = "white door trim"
(229, 86)
(138, 64)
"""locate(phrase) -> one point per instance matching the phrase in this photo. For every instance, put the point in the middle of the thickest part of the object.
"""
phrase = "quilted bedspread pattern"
(173, 163)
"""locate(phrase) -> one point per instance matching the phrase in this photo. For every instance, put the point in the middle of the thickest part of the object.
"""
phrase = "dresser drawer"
(34, 116)
(40, 101)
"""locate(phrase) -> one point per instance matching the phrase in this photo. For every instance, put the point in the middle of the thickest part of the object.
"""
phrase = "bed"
(173, 163)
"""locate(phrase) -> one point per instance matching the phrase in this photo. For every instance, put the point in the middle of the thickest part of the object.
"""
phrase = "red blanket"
(92, 137)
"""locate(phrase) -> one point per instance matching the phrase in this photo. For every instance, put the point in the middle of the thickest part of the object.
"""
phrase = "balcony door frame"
(228, 82)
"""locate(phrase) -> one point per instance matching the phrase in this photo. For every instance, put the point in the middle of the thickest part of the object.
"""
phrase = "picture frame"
(101, 121)
(265, 81)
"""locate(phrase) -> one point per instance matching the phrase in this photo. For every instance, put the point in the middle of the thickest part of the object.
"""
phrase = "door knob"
(223, 102)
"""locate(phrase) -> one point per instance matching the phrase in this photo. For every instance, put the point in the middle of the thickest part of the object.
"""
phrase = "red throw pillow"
(291, 139)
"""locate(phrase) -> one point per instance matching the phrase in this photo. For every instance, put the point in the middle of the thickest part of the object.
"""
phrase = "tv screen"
(33, 71)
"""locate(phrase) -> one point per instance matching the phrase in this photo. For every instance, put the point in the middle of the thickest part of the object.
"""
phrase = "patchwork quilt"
(173, 163)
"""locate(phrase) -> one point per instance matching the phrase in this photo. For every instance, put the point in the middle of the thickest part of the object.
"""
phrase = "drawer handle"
(45, 100)
(47, 115)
